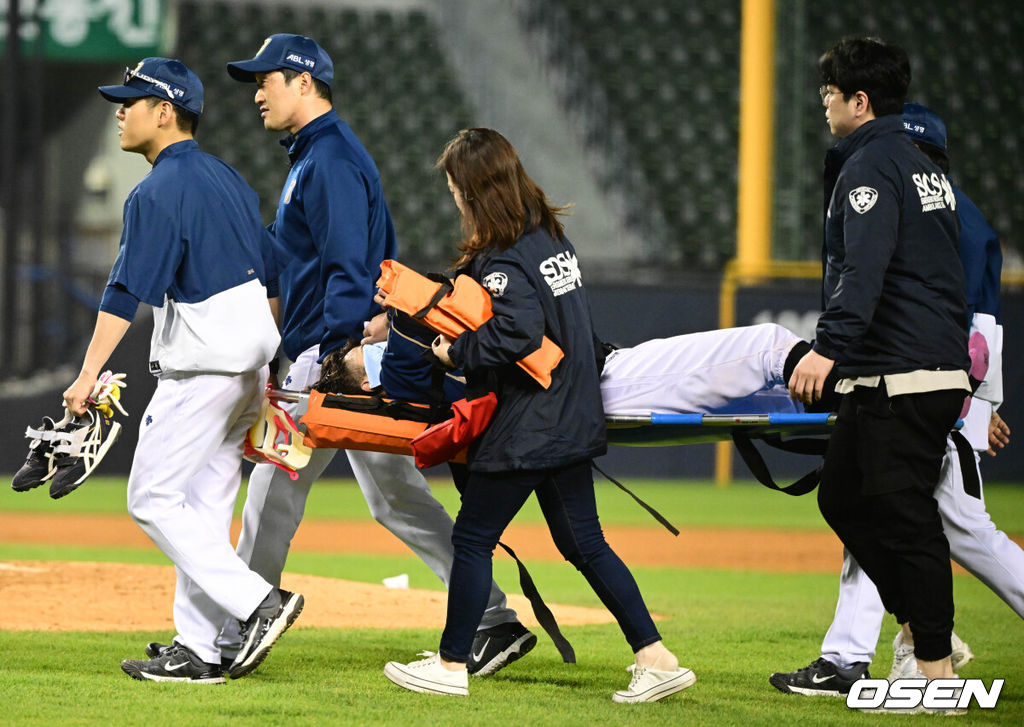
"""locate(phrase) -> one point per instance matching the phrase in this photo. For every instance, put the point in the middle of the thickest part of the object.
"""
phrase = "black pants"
(881, 468)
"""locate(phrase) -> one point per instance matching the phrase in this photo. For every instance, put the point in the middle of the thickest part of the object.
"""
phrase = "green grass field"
(732, 628)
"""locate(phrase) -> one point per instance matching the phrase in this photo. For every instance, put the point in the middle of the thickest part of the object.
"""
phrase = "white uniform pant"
(396, 492)
(700, 372)
(182, 490)
(974, 543)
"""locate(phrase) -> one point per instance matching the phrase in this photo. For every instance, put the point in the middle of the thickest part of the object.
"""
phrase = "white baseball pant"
(182, 490)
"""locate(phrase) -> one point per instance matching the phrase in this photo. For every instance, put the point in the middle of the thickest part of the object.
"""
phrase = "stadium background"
(628, 110)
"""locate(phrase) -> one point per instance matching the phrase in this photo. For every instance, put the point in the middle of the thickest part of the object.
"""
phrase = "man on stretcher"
(714, 372)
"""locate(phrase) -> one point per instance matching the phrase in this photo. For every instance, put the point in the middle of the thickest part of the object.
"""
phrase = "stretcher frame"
(665, 430)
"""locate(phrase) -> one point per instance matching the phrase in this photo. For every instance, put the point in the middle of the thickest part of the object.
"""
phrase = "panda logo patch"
(862, 199)
(496, 284)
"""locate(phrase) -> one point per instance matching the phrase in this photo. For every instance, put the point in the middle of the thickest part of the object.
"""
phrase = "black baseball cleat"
(174, 663)
(820, 678)
(263, 628)
(497, 647)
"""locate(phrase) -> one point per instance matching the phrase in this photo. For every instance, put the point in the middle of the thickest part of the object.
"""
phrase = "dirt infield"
(98, 590)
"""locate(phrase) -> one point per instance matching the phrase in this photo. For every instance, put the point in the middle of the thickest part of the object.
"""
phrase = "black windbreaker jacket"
(536, 290)
(892, 281)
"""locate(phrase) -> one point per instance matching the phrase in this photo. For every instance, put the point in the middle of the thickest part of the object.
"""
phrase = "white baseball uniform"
(194, 248)
(706, 372)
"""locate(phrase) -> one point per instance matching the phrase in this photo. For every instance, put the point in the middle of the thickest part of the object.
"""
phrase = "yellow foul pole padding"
(754, 197)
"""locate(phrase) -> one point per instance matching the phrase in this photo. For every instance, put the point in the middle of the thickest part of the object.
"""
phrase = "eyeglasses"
(129, 74)
(825, 93)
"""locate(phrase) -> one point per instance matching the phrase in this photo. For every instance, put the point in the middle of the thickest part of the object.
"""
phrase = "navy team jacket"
(982, 258)
(536, 289)
(332, 231)
(893, 284)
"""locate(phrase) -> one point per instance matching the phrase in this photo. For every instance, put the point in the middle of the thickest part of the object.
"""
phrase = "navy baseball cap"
(285, 50)
(924, 125)
(164, 78)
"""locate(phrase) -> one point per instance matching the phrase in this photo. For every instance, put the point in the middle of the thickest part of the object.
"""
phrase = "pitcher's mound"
(83, 596)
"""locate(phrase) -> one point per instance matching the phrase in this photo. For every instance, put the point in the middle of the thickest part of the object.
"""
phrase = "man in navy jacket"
(332, 231)
(895, 326)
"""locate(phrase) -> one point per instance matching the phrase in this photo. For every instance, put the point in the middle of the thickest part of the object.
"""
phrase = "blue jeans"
(566, 497)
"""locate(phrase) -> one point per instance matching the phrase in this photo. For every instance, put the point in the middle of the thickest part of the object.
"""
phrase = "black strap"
(756, 464)
(393, 408)
(445, 289)
(968, 465)
(540, 609)
(657, 515)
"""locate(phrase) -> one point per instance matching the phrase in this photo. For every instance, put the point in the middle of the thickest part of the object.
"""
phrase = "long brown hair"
(501, 201)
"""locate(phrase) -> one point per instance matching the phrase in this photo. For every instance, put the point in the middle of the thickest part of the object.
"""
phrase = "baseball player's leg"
(853, 634)
(697, 372)
(275, 503)
(400, 499)
(974, 541)
(182, 490)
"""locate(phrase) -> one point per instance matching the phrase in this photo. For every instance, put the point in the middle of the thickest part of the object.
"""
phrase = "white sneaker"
(428, 676)
(904, 663)
(961, 652)
(650, 685)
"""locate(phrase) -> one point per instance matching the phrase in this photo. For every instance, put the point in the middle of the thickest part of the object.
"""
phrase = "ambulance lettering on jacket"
(562, 273)
(935, 191)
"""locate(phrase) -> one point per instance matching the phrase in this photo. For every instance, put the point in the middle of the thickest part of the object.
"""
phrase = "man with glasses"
(194, 248)
(895, 326)
(974, 541)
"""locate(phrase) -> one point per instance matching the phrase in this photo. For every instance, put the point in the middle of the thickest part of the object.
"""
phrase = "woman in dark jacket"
(541, 439)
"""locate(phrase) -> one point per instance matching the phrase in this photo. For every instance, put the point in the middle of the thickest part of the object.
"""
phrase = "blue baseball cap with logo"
(924, 125)
(285, 50)
(164, 78)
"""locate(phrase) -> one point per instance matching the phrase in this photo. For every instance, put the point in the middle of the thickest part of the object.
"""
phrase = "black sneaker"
(38, 467)
(261, 631)
(820, 678)
(155, 649)
(497, 647)
(175, 663)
